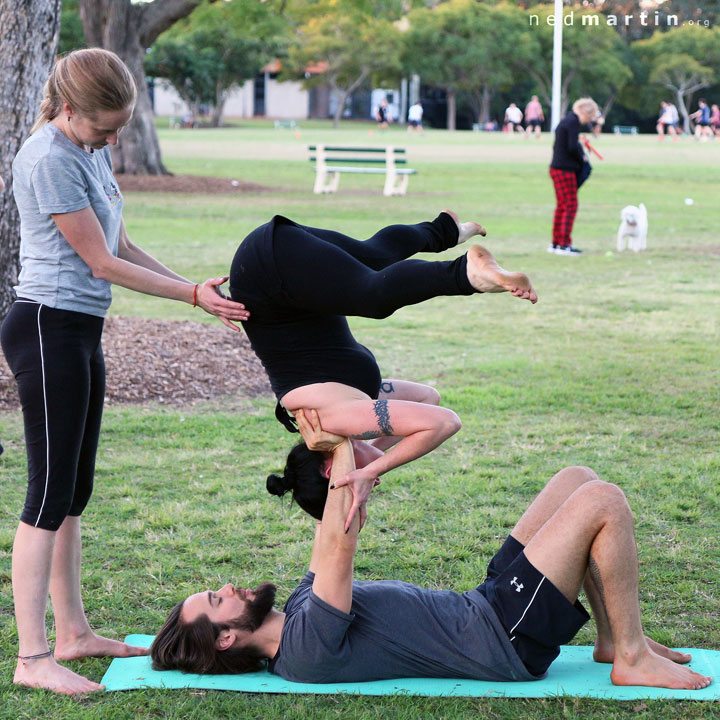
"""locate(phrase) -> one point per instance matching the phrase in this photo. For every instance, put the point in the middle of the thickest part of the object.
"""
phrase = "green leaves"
(218, 46)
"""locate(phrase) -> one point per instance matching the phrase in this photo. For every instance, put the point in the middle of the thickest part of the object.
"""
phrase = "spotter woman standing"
(73, 247)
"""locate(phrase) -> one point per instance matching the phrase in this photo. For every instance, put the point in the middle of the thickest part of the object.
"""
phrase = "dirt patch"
(711, 250)
(169, 362)
(196, 184)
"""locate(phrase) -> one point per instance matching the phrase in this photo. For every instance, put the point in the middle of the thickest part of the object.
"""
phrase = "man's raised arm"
(334, 549)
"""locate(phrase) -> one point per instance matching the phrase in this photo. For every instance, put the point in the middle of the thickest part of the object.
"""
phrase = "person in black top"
(566, 172)
(299, 284)
(382, 115)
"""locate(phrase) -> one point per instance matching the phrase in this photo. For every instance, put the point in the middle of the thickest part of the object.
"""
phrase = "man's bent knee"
(604, 498)
(582, 472)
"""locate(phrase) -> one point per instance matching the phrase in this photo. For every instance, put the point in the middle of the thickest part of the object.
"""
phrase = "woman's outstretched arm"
(138, 271)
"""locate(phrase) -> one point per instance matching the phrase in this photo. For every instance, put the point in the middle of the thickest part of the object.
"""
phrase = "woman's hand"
(212, 300)
(361, 483)
(313, 434)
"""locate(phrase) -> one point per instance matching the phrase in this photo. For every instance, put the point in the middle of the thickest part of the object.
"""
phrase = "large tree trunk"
(129, 29)
(29, 32)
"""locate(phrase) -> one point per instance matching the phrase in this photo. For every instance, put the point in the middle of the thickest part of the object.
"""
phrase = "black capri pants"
(57, 359)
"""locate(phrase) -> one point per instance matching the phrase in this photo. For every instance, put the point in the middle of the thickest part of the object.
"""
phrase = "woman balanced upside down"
(300, 283)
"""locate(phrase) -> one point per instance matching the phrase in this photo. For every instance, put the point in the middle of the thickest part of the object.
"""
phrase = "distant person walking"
(415, 116)
(565, 170)
(715, 119)
(383, 115)
(703, 129)
(513, 118)
(534, 117)
(668, 121)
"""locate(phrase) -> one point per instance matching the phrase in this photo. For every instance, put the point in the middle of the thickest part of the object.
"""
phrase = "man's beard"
(256, 610)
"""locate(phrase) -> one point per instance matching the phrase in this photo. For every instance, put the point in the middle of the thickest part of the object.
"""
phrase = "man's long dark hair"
(304, 476)
(190, 647)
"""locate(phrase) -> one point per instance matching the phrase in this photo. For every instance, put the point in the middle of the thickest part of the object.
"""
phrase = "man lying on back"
(578, 532)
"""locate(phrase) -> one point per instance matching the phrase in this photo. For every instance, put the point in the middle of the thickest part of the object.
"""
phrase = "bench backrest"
(363, 155)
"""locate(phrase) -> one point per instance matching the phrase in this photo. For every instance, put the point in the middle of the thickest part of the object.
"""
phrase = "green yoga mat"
(573, 673)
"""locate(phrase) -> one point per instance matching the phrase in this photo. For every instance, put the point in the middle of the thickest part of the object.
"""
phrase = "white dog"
(633, 228)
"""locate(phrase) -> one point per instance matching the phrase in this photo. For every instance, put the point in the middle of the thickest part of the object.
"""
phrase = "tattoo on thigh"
(597, 578)
(383, 416)
(387, 387)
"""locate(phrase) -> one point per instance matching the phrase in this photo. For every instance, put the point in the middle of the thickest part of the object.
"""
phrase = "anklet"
(35, 657)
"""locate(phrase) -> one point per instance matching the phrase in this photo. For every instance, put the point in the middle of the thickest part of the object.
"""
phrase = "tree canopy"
(462, 45)
(343, 43)
(217, 47)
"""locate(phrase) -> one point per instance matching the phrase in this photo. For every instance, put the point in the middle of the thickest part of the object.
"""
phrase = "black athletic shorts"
(537, 617)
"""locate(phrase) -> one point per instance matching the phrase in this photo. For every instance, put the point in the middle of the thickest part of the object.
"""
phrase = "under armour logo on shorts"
(518, 587)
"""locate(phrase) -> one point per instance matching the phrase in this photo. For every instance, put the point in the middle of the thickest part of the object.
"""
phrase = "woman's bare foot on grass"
(485, 275)
(45, 673)
(466, 230)
(92, 645)
(604, 651)
(651, 670)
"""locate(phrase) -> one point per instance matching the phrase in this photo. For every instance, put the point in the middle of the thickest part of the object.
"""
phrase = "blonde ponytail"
(89, 81)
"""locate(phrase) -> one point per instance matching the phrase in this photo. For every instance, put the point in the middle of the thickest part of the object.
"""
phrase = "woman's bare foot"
(466, 230)
(485, 275)
(45, 673)
(604, 651)
(92, 645)
(651, 670)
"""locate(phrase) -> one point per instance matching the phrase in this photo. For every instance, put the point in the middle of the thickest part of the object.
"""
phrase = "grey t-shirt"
(53, 175)
(395, 630)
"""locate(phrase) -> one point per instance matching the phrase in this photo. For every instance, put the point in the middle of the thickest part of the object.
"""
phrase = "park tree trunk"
(345, 94)
(451, 108)
(684, 113)
(29, 32)
(128, 29)
(608, 105)
(216, 119)
(484, 115)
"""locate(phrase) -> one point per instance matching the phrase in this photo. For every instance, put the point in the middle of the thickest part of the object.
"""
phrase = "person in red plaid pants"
(565, 168)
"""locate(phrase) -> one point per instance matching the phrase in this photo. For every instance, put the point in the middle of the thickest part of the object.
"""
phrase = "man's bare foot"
(92, 645)
(604, 651)
(485, 275)
(466, 230)
(651, 670)
(45, 673)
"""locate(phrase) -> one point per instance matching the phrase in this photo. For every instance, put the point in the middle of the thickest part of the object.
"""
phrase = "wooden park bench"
(286, 124)
(331, 161)
(625, 129)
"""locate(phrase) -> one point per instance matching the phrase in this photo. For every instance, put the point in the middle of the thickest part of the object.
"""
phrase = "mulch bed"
(196, 184)
(168, 362)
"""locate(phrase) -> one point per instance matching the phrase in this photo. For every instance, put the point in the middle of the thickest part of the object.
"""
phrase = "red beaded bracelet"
(195, 289)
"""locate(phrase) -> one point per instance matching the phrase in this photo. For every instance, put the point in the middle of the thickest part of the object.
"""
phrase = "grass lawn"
(616, 367)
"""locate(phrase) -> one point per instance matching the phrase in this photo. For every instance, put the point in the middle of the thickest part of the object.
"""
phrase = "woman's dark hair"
(190, 647)
(304, 476)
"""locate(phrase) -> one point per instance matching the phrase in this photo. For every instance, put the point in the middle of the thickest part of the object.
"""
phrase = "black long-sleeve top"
(567, 151)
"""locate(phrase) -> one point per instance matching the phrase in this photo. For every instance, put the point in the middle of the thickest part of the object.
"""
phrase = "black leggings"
(371, 278)
(300, 283)
(57, 360)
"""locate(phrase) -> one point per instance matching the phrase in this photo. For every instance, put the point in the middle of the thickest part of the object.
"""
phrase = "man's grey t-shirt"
(394, 630)
(53, 175)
